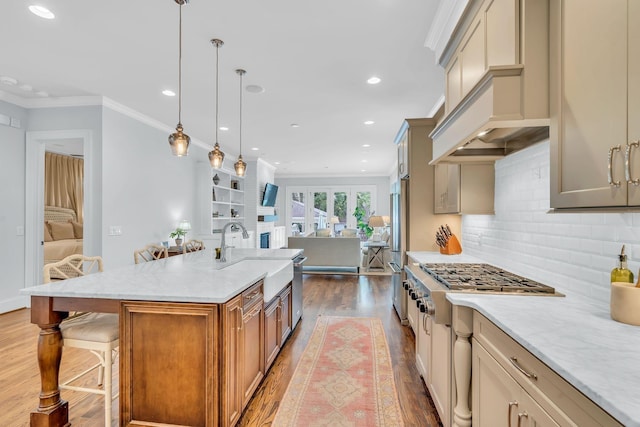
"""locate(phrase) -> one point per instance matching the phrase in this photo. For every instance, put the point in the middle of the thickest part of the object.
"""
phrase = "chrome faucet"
(223, 246)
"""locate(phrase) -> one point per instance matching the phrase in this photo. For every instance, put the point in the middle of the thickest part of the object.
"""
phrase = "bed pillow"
(47, 233)
(77, 229)
(61, 230)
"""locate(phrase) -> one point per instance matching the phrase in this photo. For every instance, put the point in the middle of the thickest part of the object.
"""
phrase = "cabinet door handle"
(522, 415)
(627, 163)
(511, 405)
(514, 362)
(241, 311)
(610, 166)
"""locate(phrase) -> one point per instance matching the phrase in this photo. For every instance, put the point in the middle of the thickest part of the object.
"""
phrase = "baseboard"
(15, 303)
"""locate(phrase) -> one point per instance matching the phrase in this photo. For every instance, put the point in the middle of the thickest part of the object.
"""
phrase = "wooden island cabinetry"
(243, 357)
(277, 325)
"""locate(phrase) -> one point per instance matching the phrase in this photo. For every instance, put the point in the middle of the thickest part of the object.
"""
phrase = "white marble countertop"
(193, 277)
(573, 335)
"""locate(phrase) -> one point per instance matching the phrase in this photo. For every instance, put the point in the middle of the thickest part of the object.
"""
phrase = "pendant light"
(216, 157)
(240, 166)
(179, 141)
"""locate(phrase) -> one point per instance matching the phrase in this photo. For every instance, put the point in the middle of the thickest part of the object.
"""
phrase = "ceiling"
(313, 60)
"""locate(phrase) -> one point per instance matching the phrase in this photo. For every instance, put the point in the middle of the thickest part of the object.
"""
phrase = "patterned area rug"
(344, 378)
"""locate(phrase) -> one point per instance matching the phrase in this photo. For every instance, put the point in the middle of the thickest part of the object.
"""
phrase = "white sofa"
(339, 252)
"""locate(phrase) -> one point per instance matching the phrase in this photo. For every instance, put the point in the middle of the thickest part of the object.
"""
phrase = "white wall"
(146, 190)
(12, 202)
(574, 252)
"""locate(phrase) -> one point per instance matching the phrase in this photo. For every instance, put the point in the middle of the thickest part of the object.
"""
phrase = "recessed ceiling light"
(369, 122)
(295, 125)
(366, 145)
(277, 163)
(254, 148)
(42, 94)
(168, 92)
(364, 161)
(26, 88)
(223, 128)
(363, 170)
(374, 80)
(41, 11)
(254, 89)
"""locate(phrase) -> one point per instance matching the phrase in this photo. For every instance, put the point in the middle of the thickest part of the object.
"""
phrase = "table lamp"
(376, 222)
(185, 225)
(333, 221)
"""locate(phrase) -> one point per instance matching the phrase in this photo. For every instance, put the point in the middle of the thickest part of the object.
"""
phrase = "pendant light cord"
(180, 69)
(217, 61)
(241, 112)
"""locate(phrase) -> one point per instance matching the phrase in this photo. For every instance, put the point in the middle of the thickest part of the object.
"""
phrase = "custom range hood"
(497, 84)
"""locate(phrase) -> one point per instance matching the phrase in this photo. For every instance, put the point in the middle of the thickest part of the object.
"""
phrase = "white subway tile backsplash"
(574, 252)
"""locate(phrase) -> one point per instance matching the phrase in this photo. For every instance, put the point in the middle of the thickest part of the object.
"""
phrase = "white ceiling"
(312, 58)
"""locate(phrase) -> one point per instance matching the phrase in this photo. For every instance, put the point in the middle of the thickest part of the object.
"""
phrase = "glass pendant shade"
(240, 166)
(216, 157)
(179, 142)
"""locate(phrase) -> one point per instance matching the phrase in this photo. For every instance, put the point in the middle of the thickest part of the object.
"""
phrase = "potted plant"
(177, 235)
(362, 222)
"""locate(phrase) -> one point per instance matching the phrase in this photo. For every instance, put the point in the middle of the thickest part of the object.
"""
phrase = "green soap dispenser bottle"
(621, 273)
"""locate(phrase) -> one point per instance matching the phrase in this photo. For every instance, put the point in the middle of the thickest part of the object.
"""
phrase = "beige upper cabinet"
(466, 188)
(595, 103)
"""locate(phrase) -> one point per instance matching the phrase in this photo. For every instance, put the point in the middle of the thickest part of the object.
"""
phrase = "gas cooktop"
(482, 277)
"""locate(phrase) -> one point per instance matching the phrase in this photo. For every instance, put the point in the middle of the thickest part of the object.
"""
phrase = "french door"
(311, 208)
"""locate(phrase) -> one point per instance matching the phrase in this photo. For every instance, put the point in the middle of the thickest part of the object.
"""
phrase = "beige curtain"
(63, 182)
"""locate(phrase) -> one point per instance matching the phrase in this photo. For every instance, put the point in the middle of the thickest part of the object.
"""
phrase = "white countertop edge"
(623, 405)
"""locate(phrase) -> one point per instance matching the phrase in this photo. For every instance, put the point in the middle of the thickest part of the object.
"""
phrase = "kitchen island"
(184, 322)
(573, 335)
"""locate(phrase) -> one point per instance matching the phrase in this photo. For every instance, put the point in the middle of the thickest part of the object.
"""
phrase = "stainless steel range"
(433, 280)
(482, 278)
(429, 314)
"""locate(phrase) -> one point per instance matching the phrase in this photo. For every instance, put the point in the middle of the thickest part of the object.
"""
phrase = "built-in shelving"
(227, 198)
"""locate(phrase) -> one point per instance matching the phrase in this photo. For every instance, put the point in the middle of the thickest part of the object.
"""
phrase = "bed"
(65, 234)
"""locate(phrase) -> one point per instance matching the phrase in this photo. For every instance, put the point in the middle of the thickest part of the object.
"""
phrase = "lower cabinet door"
(498, 400)
(252, 352)
(285, 314)
(271, 332)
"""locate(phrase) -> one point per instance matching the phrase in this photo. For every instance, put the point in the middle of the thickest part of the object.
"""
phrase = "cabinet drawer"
(252, 295)
(555, 395)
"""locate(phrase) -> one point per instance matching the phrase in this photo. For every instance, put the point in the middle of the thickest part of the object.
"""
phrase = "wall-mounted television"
(270, 193)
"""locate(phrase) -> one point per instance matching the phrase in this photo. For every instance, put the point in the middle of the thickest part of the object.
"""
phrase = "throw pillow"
(47, 233)
(323, 232)
(61, 230)
(77, 229)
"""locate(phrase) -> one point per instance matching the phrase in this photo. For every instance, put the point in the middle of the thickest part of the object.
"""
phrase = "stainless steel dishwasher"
(296, 290)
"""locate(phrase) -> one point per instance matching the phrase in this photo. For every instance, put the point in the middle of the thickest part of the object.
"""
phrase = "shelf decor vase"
(216, 179)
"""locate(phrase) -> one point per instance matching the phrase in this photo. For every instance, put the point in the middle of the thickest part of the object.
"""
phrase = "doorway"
(36, 145)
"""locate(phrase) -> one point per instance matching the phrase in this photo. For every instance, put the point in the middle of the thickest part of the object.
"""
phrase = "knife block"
(452, 247)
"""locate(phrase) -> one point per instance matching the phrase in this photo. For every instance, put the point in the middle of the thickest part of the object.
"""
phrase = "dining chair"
(97, 332)
(193, 245)
(150, 253)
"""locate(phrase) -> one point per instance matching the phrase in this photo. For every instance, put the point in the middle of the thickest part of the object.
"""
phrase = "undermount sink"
(279, 273)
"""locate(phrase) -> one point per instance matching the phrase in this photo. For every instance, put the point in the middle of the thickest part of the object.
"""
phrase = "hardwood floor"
(330, 295)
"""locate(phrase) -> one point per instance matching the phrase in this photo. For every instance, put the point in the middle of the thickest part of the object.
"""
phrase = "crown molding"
(444, 22)
(87, 101)
(436, 106)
